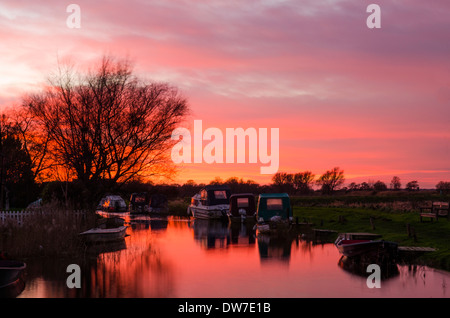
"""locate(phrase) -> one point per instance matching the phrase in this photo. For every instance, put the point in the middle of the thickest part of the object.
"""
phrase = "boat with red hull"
(365, 247)
(10, 271)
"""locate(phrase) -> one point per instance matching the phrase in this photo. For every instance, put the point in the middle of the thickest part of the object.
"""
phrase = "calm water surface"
(180, 258)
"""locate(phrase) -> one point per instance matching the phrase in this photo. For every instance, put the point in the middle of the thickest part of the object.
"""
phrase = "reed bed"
(47, 232)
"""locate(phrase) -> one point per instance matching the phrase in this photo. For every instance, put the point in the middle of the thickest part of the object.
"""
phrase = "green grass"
(391, 225)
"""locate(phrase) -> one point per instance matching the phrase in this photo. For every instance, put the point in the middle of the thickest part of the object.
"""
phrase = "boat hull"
(97, 235)
(273, 227)
(356, 248)
(10, 272)
(208, 213)
(242, 218)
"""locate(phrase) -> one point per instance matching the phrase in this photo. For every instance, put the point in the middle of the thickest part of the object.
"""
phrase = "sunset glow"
(374, 102)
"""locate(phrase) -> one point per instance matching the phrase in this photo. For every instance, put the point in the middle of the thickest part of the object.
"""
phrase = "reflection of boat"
(365, 247)
(98, 235)
(159, 224)
(213, 202)
(10, 272)
(274, 248)
(94, 250)
(211, 233)
(242, 234)
(242, 207)
(355, 266)
(13, 290)
(274, 212)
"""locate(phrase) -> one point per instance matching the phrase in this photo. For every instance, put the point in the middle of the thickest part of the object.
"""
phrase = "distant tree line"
(381, 186)
(443, 187)
(303, 182)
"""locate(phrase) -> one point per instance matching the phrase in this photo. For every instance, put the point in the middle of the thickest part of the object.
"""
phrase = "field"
(404, 228)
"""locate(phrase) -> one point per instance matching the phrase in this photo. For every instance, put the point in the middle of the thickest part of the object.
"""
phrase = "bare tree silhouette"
(106, 125)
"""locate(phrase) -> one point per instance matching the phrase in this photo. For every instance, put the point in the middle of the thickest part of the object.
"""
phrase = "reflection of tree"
(139, 271)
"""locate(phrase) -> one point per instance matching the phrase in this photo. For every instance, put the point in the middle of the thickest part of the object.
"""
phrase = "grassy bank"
(389, 201)
(391, 225)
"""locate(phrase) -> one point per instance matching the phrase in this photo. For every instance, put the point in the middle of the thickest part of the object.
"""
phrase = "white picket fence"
(20, 216)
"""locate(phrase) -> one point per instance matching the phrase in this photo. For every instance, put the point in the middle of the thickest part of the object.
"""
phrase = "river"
(181, 258)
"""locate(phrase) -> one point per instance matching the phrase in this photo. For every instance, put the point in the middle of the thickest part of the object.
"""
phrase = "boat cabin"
(272, 205)
(114, 203)
(215, 195)
(139, 202)
(242, 205)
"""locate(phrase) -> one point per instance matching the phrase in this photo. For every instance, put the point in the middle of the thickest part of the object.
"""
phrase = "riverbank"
(47, 233)
(404, 228)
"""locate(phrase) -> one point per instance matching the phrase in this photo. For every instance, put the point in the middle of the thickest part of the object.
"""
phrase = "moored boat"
(139, 203)
(99, 235)
(212, 202)
(365, 247)
(242, 207)
(273, 213)
(10, 272)
(113, 203)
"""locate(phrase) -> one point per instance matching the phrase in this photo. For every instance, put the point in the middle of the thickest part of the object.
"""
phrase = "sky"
(374, 102)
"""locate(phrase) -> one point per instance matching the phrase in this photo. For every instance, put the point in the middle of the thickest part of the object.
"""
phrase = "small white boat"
(113, 203)
(98, 235)
(213, 202)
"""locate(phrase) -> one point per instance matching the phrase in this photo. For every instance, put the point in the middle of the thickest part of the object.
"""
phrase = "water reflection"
(132, 268)
(211, 234)
(358, 267)
(274, 248)
(170, 257)
(13, 290)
